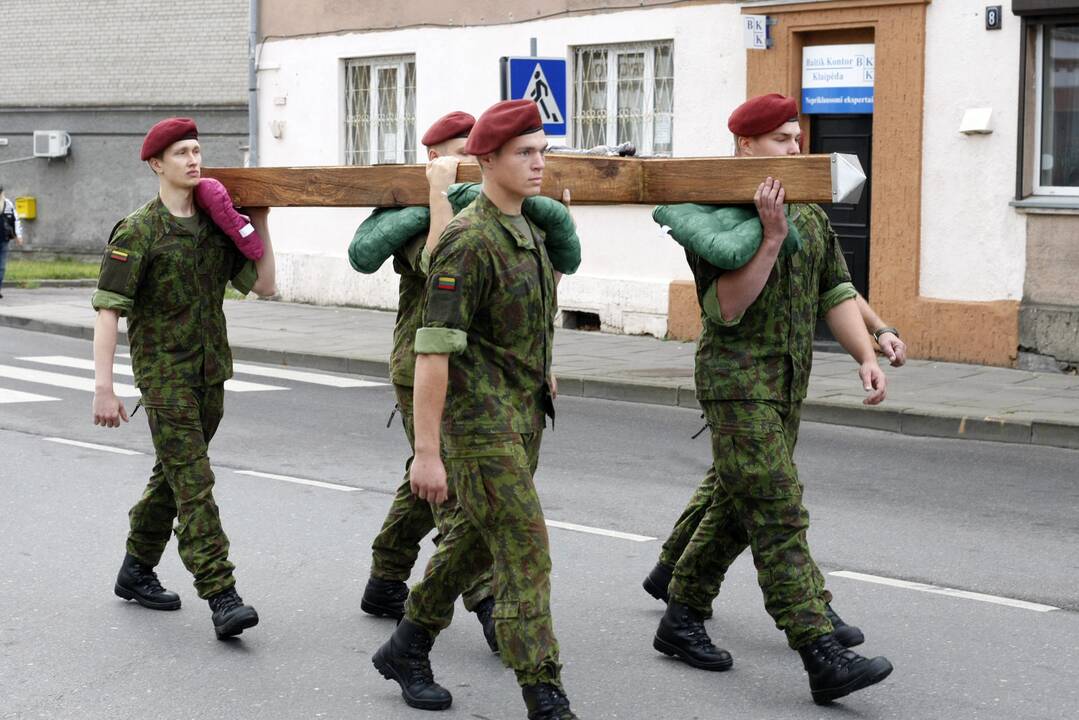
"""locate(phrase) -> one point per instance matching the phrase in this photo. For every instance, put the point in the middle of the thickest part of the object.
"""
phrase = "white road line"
(17, 396)
(64, 381)
(243, 386)
(598, 531)
(550, 523)
(121, 369)
(93, 446)
(298, 481)
(303, 376)
(951, 592)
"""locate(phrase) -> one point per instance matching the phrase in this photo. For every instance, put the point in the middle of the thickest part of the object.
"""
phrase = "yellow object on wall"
(26, 207)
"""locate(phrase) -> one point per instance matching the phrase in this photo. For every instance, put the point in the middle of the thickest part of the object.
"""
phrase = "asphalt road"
(987, 518)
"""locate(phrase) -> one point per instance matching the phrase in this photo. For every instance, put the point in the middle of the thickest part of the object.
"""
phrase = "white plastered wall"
(628, 263)
(973, 244)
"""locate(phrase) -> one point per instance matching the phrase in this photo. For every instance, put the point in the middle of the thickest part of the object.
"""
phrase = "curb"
(24, 284)
(897, 419)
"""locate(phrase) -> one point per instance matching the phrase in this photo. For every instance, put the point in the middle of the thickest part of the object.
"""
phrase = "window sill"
(1046, 205)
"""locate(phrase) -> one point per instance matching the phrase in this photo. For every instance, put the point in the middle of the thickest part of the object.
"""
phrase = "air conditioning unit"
(51, 143)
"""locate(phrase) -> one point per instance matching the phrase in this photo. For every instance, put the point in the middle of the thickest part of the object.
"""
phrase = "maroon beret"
(167, 132)
(502, 122)
(456, 124)
(762, 114)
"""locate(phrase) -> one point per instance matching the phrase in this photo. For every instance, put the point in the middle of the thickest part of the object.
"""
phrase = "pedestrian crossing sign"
(542, 80)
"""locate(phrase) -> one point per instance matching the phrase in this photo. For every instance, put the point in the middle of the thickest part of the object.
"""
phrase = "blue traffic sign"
(542, 80)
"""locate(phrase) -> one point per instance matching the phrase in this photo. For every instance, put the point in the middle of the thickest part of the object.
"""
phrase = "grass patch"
(232, 294)
(21, 270)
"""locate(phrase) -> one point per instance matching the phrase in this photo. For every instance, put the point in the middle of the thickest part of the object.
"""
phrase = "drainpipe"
(252, 86)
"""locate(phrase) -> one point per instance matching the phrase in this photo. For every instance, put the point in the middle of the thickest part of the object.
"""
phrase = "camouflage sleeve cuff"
(713, 311)
(840, 293)
(245, 279)
(440, 341)
(108, 300)
(425, 261)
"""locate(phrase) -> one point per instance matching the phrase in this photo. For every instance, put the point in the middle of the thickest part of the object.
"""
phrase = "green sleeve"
(440, 341)
(712, 309)
(245, 279)
(840, 293)
(122, 268)
(456, 287)
(108, 300)
(833, 271)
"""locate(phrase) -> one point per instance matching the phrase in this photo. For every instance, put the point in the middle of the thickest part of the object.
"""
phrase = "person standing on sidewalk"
(657, 581)
(752, 371)
(10, 229)
(165, 268)
(483, 375)
(410, 519)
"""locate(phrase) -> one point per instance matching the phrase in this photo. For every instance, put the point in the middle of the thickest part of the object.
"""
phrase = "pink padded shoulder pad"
(214, 199)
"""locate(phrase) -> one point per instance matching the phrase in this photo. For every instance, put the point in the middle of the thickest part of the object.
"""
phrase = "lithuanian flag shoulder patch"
(119, 255)
(447, 282)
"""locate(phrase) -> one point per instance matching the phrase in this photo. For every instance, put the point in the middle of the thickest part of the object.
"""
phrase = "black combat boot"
(231, 617)
(384, 598)
(485, 614)
(681, 634)
(657, 581)
(404, 659)
(546, 702)
(846, 635)
(139, 582)
(835, 671)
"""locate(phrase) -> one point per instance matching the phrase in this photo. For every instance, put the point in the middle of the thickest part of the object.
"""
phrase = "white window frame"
(375, 64)
(647, 144)
(1039, 77)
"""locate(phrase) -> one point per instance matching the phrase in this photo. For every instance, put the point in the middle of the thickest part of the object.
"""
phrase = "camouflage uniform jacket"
(491, 304)
(412, 290)
(170, 284)
(766, 354)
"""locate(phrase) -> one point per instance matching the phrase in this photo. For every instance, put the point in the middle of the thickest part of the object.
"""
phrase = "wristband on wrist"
(880, 331)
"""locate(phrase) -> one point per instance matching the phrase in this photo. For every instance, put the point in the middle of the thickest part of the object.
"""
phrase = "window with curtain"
(380, 110)
(1057, 75)
(624, 93)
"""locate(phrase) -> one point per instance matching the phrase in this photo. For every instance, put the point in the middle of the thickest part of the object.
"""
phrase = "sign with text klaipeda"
(838, 79)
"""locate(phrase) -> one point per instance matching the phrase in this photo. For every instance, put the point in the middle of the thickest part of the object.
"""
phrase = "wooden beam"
(591, 180)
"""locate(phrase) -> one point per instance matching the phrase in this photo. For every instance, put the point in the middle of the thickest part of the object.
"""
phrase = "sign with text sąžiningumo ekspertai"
(837, 79)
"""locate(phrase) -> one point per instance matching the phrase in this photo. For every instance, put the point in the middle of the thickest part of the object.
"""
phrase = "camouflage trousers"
(494, 518)
(694, 513)
(182, 423)
(397, 545)
(757, 501)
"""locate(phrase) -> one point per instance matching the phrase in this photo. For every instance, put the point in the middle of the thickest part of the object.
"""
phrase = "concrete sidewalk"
(924, 398)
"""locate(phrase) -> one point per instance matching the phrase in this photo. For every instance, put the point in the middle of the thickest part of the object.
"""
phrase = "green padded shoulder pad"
(384, 232)
(727, 236)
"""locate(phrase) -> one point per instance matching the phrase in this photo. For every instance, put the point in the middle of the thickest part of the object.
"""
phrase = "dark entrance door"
(852, 134)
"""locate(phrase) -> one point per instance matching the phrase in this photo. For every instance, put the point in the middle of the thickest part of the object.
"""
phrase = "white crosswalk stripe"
(65, 381)
(16, 396)
(121, 369)
(303, 376)
(86, 383)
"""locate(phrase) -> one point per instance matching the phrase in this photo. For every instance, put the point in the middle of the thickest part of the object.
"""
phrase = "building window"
(1056, 130)
(380, 110)
(624, 93)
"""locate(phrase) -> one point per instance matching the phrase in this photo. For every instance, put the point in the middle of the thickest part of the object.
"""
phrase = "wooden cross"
(591, 180)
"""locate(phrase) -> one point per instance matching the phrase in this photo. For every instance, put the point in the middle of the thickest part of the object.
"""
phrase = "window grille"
(624, 93)
(380, 110)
